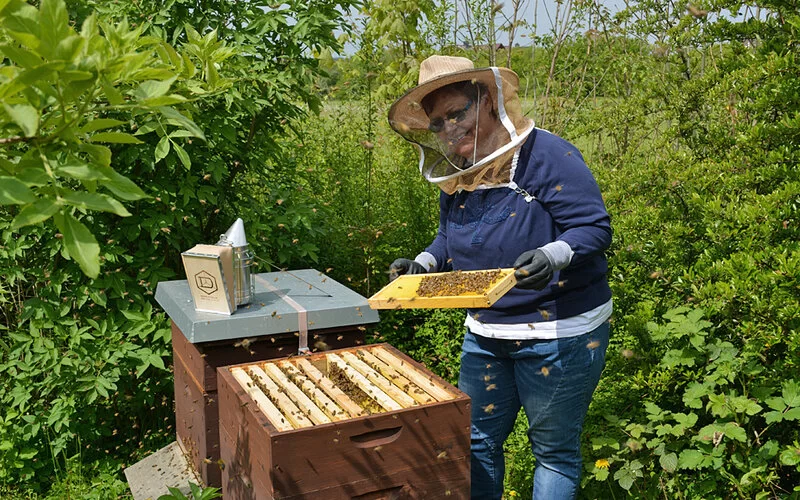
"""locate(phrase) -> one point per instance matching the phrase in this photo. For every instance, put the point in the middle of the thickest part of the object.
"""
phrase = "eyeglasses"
(437, 124)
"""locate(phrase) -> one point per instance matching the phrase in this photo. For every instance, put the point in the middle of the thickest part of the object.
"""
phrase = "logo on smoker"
(206, 282)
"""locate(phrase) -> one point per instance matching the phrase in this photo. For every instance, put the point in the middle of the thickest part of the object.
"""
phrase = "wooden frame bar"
(397, 379)
(342, 399)
(413, 374)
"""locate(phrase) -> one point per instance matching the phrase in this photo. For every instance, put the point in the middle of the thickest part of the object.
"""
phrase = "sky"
(543, 13)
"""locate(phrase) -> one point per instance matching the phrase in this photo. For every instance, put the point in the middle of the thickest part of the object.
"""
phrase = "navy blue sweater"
(490, 228)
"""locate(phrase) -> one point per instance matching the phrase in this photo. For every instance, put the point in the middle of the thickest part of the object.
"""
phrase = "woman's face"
(453, 116)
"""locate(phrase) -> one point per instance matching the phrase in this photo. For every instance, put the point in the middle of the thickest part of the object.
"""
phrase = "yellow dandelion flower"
(602, 463)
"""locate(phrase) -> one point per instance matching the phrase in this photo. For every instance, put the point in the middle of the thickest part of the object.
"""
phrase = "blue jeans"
(553, 380)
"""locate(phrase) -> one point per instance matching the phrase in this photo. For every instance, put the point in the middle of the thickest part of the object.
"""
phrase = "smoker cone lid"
(234, 235)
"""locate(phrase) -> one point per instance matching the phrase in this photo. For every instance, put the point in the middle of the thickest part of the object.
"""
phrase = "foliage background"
(686, 113)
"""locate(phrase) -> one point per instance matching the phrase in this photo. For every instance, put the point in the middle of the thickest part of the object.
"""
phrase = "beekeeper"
(513, 195)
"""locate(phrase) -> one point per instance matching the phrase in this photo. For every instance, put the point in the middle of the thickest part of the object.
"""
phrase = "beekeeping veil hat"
(438, 163)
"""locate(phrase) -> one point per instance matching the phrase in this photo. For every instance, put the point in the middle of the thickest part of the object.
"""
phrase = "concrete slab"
(150, 477)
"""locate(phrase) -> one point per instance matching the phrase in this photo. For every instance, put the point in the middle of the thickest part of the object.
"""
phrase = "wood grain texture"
(417, 452)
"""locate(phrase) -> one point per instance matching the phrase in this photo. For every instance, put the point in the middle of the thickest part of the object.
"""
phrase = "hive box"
(365, 422)
(269, 327)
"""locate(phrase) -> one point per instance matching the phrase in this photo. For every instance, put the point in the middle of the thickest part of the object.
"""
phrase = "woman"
(514, 196)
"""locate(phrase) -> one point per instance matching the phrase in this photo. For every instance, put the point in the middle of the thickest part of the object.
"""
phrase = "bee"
(491, 387)
(545, 314)
(545, 371)
(558, 188)
(244, 343)
(696, 12)
(593, 344)
(489, 408)
(531, 326)
(442, 455)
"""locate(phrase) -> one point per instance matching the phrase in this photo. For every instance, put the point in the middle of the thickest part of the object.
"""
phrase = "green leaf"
(769, 450)
(14, 192)
(153, 88)
(79, 242)
(23, 25)
(157, 361)
(694, 393)
(53, 17)
(76, 168)
(791, 393)
(134, 315)
(669, 462)
(25, 116)
(115, 138)
(624, 478)
(35, 213)
(100, 124)
(791, 455)
(166, 100)
(718, 404)
(98, 297)
(734, 431)
(601, 442)
(162, 148)
(691, 459)
(181, 120)
(100, 155)
(113, 95)
(95, 201)
(793, 414)
(121, 186)
(183, 155)
(21, 56)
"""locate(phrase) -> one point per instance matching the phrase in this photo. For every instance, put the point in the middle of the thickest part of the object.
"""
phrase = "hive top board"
(281, 300)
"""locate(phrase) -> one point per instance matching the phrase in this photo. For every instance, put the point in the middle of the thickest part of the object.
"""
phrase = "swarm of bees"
(456, 283)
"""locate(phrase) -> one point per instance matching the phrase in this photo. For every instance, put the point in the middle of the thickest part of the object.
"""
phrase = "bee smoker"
(243, 284)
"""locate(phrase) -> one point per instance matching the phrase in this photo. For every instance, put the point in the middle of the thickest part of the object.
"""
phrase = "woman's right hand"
(404, 266)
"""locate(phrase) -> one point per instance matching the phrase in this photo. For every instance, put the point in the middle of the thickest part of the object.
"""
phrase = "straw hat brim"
(408, 108)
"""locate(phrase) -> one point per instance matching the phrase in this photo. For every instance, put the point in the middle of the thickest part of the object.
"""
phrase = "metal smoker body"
(243, 284)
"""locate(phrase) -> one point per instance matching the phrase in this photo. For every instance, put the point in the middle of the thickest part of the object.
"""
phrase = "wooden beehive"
(404, 292)
(363, 422)
(195, 365)
(268, 328)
